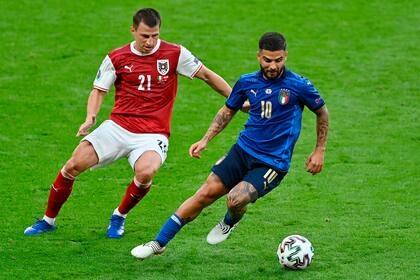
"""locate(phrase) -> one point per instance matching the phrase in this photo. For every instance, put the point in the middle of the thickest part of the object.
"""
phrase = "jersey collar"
(133, 49)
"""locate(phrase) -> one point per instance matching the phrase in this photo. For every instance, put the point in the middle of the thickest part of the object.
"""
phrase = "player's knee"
(145, 175)
(73, 167)
(236, 201)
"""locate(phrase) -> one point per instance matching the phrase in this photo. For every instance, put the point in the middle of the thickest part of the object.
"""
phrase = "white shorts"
(112, 142)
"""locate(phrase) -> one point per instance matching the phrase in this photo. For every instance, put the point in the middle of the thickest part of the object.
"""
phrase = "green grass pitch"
(361, 213)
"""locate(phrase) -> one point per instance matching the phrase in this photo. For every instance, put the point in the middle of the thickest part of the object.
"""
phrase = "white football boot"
(147, 250)
(220, 233)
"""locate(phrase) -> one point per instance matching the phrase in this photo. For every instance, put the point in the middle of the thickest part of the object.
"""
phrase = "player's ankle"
(49, 220)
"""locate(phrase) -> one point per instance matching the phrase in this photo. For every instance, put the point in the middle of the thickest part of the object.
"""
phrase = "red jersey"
(145, 84)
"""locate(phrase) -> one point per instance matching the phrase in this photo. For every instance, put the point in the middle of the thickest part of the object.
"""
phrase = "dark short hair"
(272, 41)
(149, 16)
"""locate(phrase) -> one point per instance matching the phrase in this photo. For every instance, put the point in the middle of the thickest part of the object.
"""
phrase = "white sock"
(117, 212)
(49, 220)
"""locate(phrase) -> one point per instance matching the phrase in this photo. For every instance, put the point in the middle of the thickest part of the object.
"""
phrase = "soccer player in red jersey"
(145, 75)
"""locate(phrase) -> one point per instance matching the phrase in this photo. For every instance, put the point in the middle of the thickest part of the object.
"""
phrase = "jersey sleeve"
(310, 96)
(188, 64)
(106, 76)
(237, 97)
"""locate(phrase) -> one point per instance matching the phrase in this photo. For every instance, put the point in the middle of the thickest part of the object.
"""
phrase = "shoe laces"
(224, 227)
(154, 245)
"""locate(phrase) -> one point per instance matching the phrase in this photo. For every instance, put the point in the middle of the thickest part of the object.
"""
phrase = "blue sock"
(169, 229)
(229, 220)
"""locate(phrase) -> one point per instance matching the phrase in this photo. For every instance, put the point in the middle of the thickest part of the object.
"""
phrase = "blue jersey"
(275, 117)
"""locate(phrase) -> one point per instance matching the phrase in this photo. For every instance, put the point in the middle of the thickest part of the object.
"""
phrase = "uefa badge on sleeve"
(284, 96)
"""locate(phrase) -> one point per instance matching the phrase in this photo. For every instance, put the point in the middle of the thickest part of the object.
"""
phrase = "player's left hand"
(246, 107)
(315, 162)
(196, 148)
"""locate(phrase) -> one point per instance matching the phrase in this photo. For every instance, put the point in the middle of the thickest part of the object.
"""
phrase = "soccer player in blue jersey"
(261, 157)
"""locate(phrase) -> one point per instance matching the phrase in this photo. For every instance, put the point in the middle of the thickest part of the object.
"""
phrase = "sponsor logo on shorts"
(163, 147)
(269, 176)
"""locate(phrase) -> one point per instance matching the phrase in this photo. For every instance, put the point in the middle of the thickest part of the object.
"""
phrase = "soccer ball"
(295, 252)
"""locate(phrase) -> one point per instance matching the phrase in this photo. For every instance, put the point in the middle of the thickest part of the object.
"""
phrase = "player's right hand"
(84, 128)
(196, 148)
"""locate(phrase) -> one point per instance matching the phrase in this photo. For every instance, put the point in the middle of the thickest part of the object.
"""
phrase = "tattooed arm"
(315, 161)
(221, 120)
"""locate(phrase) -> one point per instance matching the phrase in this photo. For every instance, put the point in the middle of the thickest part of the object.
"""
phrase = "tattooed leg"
(239, 197)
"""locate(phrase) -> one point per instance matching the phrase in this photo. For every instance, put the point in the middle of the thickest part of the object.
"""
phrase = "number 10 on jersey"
(266, 107)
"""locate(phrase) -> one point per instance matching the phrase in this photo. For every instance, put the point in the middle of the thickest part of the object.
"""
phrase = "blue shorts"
(239, 166)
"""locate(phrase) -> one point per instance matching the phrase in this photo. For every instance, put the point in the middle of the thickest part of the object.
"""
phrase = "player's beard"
(273, 74)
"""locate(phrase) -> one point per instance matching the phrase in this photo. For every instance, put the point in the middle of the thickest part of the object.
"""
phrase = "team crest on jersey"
(284, 95)
(163, 66)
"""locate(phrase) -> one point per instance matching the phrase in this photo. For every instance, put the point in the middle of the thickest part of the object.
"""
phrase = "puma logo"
(129, 68)
(254, 92)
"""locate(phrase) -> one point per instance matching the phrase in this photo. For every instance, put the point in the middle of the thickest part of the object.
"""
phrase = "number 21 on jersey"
(266, 108)
(145, 79)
